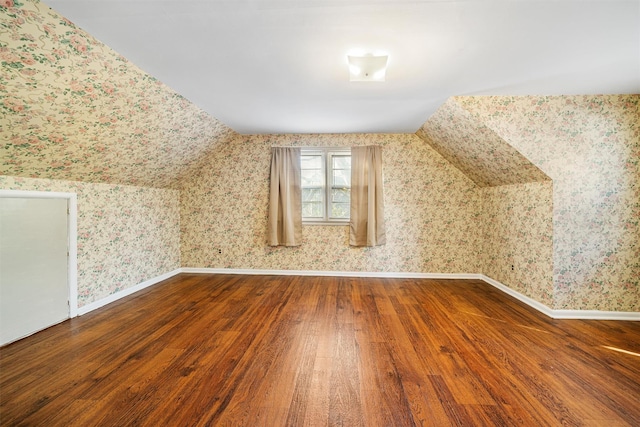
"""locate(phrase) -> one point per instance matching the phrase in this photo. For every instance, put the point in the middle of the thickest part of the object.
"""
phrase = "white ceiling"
(279, 66)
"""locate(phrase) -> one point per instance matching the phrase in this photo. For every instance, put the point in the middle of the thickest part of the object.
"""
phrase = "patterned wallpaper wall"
(590, 147)
(432, 212)
(475, 149)
(518, 231)
(84, 119)
(126, 234)
(73, 109)
(516, 212)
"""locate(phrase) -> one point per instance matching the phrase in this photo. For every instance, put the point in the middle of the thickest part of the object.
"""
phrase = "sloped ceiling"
(475, 149)
(73, 109)
(280, 66)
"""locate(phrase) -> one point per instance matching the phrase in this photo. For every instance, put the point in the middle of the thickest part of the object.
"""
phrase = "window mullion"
(327, 157)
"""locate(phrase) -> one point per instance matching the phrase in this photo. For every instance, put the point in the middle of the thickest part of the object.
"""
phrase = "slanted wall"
(73, 109)
(516, 210)
(590, 147)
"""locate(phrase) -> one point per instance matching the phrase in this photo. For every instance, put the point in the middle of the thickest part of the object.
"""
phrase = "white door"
(34, 290)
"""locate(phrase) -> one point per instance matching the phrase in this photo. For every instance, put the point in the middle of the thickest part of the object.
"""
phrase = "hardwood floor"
(273, 351)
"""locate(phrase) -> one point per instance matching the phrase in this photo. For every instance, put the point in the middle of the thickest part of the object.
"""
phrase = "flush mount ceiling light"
(367, 68)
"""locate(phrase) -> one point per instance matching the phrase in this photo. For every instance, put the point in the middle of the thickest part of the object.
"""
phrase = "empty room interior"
(317, 212)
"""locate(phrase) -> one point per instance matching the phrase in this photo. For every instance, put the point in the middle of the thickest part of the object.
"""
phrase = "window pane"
(311, 161)
(340, 210)
(340, 195)
(312, 178)
(342, 177)
(312, 209)
(312, 194)
(322, 200)
(341, 162)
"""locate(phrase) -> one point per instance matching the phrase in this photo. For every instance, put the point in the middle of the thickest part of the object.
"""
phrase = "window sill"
(343, 223)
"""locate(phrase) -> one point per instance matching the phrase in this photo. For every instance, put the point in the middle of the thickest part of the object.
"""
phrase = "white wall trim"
(72, 236)
(564, 314)
(517, 295)
(554, 314)
(381, 274)
(73, 255)
(596, 315)
(126, 292)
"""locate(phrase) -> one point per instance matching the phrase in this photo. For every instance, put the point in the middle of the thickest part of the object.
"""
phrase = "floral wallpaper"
(590, 147)
(73, 109)
(516, 212)
(469, 193)
(467, 143)
(517, 242)
(432, 212)
(126, 234)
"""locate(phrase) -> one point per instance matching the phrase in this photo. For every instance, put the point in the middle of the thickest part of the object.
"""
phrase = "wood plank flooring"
(231, 350)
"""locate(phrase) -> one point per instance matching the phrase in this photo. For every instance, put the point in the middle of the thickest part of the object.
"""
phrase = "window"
(326, 185)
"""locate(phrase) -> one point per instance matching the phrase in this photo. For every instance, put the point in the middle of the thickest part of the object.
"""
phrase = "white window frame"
(327, 154)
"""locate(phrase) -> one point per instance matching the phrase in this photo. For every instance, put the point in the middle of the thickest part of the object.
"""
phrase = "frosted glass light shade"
(367, 68)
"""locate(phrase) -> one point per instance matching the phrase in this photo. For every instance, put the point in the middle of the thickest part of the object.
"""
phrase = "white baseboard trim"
(125, 292)
(631, 316)
(381, 274)
(564, 314)
(517, 295)
(554, 314)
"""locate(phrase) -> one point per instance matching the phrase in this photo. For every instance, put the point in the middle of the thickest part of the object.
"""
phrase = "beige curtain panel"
(367, 204)
(285, 198)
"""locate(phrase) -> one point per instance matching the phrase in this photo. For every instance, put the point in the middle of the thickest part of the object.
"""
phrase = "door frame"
(72, 236)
